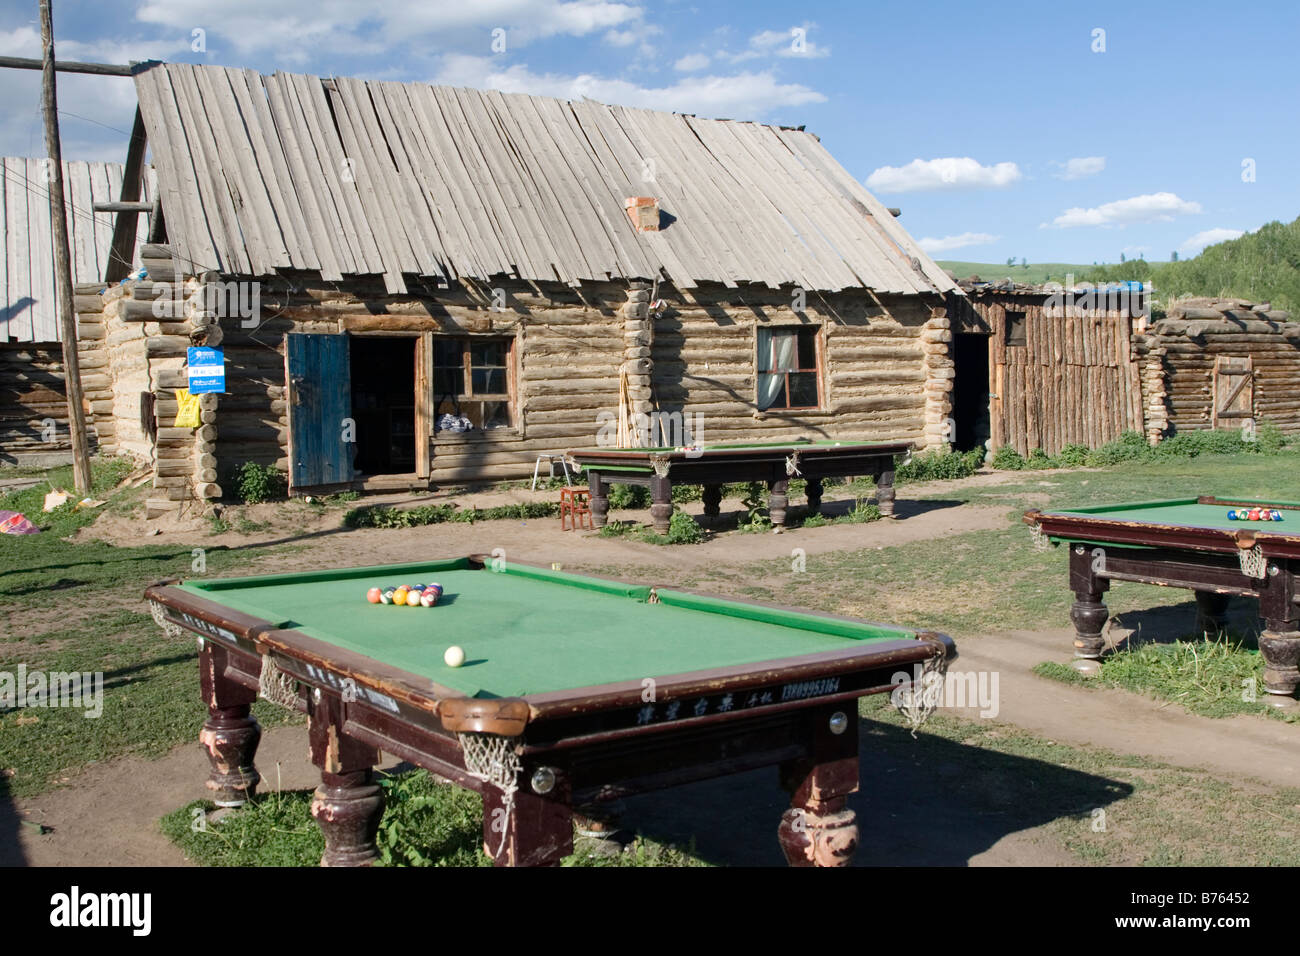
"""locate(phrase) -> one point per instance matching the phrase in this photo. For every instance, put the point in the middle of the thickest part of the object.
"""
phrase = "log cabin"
(415, 285)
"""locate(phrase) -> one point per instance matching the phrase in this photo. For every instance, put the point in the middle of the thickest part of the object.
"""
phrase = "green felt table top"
(1188, 512)
(528, 630)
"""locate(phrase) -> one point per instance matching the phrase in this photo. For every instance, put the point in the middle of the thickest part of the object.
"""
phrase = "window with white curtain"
(788, 376)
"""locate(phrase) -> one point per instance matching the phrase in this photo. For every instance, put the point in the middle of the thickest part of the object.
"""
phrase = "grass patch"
(425, 823)
(1210, 676)
(385, 517)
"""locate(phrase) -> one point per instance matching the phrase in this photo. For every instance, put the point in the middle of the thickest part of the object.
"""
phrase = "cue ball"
(453, 656)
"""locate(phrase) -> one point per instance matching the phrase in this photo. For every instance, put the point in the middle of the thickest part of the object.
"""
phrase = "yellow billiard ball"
(454, 656)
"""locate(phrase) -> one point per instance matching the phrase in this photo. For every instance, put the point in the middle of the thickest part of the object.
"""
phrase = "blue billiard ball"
(1232, 515)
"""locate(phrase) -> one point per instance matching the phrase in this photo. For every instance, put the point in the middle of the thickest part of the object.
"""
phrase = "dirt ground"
(108, 814)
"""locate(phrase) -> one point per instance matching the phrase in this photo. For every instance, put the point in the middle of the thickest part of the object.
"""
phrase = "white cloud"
(948, 243)
(303, 27)
(1152, 207)
(1081, 167)
(692, 62)
(946, 173)
(622, 37)
(740, 96)
(1208, 237)
(793, 42)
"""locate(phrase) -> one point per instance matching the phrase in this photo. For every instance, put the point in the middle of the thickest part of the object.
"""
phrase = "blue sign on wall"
(207, 369)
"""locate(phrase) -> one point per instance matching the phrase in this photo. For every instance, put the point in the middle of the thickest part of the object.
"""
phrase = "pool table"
(716, 465)
(588, 688)
(1187, 543)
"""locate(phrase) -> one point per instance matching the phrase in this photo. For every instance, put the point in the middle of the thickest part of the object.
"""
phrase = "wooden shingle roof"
(260, 174)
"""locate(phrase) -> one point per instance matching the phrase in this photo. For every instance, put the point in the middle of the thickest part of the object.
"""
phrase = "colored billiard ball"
(374, 595)
(1254, 514)
(454, 656)
(399, 597)
(1276, 515)
(428, 598)
(386, 595)
(1232, 516)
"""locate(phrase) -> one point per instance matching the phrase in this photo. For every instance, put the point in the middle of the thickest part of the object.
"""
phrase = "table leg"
(813, 489)
(885, 491)
(348, 804)
(599, 498)
(1089, 612)
(819, 829)
(231, 734)
(712, 500)
(1279, 644)
(1211, 613)
(777, 501)
(661, 508)
(534, 831)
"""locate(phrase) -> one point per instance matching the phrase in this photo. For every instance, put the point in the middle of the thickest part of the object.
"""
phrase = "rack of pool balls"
(1255, 514)
(408, 595)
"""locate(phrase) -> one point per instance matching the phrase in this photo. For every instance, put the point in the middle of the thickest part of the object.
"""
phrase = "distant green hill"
(1263, 266)
(1035, 272)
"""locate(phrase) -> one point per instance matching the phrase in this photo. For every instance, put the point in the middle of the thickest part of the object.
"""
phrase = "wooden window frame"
(509, 397)
(819, 358)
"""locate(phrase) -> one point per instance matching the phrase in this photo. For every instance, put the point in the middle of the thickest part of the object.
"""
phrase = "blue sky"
(1000, 129)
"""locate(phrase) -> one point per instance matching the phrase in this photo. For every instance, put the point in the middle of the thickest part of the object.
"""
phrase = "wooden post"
(62, 265)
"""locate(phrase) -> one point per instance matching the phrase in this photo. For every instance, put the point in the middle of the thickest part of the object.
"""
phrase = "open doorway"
(383, 403)
(970, 392)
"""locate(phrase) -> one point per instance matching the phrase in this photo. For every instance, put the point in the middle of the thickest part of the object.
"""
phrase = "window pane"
(803, 390)
(489, 381)
(784, 351)
(487, 353)
(807, 348)
(764, 350)
(448, 352)
(771, 391)
(495, 415)
(448, 381)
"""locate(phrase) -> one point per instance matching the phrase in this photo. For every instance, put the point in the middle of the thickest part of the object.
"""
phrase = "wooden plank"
(196, 245)
(254, 218)
(327, 237)
(273, 168)
(45, 315)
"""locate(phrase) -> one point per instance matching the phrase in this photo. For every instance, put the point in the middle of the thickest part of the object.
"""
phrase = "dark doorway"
(970, 392)
(383, 404)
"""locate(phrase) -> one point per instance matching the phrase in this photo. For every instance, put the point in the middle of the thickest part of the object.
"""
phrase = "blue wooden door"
(321, 443)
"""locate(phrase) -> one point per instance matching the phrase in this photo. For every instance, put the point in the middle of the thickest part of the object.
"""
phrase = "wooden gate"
(1234, 391)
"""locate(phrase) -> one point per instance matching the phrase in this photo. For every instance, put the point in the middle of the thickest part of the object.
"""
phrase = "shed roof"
(29, 304)
(348, 177)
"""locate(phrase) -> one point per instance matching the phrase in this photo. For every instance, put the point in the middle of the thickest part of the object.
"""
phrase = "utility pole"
(62, 260)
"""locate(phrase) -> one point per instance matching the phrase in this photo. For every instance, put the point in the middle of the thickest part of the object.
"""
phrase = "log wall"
(1188, 349)
(32, 399)
(885, 367)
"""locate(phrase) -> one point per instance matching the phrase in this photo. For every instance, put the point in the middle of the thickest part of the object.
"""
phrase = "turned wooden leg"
(1088, 612)
(661, 508)
(599, 498)
(348, 804)
(819, 829)
(534, 831)
(885, 491)
(1279, 644)
(777, 501)
(230, 734)
(814, 492)
(712, 500)
(1281, 652)
(1211, 612)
